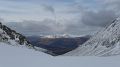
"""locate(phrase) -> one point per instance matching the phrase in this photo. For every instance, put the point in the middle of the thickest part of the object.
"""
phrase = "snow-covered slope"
(11, 56)
(10, 50)
(104, 43)
(11, 37)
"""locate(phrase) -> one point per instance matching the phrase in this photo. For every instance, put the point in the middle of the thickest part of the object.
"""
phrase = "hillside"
(104, 43)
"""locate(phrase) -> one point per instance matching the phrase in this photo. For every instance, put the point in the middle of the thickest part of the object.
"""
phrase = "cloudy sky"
(76, 17)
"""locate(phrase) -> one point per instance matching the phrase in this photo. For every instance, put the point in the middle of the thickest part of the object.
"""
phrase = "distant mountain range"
(57, 45)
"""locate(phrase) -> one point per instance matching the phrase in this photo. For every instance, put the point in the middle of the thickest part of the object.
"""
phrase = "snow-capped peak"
(57, 36)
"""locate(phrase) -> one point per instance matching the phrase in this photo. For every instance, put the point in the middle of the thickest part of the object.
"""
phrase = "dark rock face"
(13, 35)
(57, 46)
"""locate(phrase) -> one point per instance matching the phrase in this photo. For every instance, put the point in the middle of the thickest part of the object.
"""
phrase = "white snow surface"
(14, 56)
(104, 43)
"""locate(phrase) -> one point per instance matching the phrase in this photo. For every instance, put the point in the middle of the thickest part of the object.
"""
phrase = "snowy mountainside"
(104, 43)
(11, 37)
(8, 35)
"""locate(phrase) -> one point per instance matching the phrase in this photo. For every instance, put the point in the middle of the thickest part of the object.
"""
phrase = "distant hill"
(57, 46)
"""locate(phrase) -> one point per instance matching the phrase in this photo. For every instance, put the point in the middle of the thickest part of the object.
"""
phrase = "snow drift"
(15, 56)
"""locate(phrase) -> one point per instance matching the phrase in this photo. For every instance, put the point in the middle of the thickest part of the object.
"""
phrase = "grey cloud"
(112, 2)
(49, 8)
(47, 26)
(100, 18)
(89, 20)
(78, 28)
(113, 5)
